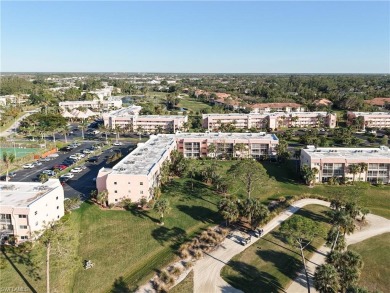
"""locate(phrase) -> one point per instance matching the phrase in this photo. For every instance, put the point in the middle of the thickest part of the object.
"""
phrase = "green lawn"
(376, 257)
(125, 246)
(270, 264)
(193, 105)
(185, 286)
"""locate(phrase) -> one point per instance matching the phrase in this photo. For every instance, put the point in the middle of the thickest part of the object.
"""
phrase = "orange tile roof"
(323, 102)
(378, 101)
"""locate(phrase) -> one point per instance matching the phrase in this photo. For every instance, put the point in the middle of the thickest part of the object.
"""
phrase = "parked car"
(61, 167)
(4, 178)
(87, 151)
(83, 167)
(12, 174)
(47, 159)
(67, 175)
(118, 143)
(76, 170)
(74, 157)
(49, 172)
(93, 159)
(37, 163)
(80, 155)
(28, 166)
(55, 155)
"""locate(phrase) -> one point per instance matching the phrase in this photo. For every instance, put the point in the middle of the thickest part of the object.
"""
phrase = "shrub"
(176, 271)
(184, 253)
(187, 264)
(198, 254)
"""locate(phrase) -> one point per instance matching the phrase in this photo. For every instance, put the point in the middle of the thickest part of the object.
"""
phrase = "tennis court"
(19, 152)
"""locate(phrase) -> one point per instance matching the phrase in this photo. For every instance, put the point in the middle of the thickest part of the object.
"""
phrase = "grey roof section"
(141, 160)
(233, 135)
(22, 194)
(348, 153)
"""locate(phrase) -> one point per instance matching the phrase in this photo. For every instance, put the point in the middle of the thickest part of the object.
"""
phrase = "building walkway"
(11, 129)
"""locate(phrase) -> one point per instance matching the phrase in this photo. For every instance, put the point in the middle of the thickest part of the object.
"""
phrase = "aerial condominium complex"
(25, 207)
(370, 119)
(138, 173)
(130, 119)
(272, 121)
(276, 107)
(359, 164)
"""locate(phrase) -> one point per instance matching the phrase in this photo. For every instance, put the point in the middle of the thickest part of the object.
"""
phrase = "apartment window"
(36, 213)
(141, 192)
(115, 183)
(128, 182)
(23, 216)
(141, 183)
(36, 223)
(129, 191)
(116, 191)
(116, 199)
(58, 217)
(58, 207)
(24, 237)
(57, 197)
(23, 227)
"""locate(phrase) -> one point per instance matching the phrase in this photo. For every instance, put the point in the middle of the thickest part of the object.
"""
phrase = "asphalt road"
(82, 183)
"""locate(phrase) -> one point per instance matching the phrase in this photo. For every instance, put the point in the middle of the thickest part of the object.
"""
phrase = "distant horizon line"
(195, 73)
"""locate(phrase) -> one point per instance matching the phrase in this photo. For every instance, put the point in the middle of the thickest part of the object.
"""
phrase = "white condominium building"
(270, 121)
(111, 103)
(370, 119)
(138, 173)
(25, 207)
(130, 118)
(336, 162)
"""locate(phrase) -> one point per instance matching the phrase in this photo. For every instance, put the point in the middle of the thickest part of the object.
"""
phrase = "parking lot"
(82, 183)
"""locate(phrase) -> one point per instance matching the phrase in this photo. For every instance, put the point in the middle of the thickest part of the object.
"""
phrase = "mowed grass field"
(127, 246)
(375, 252)
(270, 264)
(192, 105)
(19, 152)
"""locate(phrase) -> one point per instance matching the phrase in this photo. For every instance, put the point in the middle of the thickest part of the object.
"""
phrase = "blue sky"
(253, 37)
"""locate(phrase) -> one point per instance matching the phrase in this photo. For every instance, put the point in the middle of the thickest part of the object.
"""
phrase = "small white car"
(76, 170)
(55, 155)
(49, 172)
(67, 175)
(74, 157)
(37, 163)
(28, 166)
(87, 151)
(117, 143)
(80, 155)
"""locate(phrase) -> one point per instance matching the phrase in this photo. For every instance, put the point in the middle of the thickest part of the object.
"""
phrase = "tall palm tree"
(211, 149)
(83, 125)
(162, 207)
(353, 169)
(8, 159)
(326, 279)
(363, 167)
(104, 129)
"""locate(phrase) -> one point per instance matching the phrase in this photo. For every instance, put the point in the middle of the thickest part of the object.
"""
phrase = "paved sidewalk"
(11, 129)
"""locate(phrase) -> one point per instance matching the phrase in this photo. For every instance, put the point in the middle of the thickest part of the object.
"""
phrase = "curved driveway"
(207, 270)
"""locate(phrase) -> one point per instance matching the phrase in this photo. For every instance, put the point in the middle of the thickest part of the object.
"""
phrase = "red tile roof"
(274, 105)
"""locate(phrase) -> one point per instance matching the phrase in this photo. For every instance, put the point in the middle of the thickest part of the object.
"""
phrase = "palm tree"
(326, 279)
(64, 131)
(363, 167)
(211, 149)
(239, 148)
(104, 129)
(162, 207)
(83, 124)
(43, 178)
(309, 174)
(117, 130)
(8, 159)
(229, 210)
(102, 197)
(353, 169)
